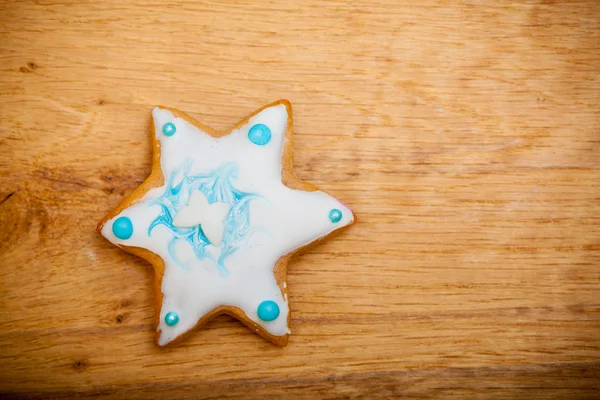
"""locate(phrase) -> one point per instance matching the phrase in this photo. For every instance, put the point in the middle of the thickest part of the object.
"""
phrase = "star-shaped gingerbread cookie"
(219, 218)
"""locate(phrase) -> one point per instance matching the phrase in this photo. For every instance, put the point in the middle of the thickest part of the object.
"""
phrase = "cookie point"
(285, 102)
(156, 111)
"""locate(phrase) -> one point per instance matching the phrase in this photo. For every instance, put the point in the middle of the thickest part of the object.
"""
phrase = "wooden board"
(465, 135)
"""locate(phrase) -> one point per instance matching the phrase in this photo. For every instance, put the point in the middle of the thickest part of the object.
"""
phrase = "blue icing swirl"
(217, 186)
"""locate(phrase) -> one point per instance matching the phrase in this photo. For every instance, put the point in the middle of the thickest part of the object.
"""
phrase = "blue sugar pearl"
(259, 134)
(169, 129)
(122, 228)
(268, 310)
(335, 215)
(171, 318)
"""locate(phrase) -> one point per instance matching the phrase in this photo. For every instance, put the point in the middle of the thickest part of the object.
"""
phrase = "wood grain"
(465, 135)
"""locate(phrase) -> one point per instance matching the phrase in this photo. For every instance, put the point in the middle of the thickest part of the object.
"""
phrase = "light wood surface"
(465, 135)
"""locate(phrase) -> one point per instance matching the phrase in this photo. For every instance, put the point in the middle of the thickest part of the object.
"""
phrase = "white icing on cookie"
(210, 217)
(222, 220)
